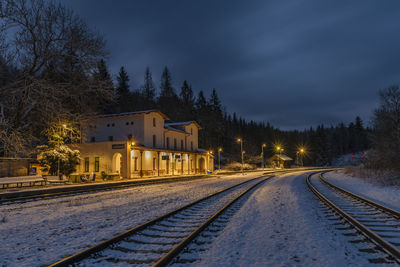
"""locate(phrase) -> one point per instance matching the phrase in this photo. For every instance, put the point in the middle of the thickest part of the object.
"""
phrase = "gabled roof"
(282, 157)
(133, 113)
(170, 128)
(184, 124)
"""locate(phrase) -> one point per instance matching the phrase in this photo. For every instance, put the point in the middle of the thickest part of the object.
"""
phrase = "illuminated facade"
(136, 144)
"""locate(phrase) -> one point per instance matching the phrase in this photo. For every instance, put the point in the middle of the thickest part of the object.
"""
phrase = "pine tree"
(123, 92)
(148, 91)
(186, 94)
(215, 104)
(168, 101)
(104, 79)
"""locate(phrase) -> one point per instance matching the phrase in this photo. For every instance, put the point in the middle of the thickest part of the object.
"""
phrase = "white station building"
(136, 144)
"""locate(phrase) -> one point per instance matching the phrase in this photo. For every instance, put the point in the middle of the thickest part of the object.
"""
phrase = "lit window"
(96, 164)
(86, 164)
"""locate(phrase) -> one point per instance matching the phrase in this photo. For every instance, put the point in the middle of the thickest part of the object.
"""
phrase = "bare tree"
(56, 56)
(386, 135)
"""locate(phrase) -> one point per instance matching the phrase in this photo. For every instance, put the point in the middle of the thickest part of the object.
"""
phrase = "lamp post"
(240, 140)
(301, 152)
(279, 149)
(262, 155)
(219, 158)
(59, 144)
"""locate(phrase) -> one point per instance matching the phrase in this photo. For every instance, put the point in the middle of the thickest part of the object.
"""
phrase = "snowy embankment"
(282, 224)
(42, 232)
(385, 195)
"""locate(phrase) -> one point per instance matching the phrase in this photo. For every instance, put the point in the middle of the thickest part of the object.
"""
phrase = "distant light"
(363, 155)
(352, 156)
(147, 154)
(65, 126)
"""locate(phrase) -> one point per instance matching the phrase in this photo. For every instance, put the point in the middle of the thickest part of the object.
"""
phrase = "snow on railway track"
(379, 224)
(160, 240)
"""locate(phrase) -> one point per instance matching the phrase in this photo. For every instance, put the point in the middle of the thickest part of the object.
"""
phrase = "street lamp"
(240, 140)
(219, 158)
(301, 152)
(262, 155)
(279, 149)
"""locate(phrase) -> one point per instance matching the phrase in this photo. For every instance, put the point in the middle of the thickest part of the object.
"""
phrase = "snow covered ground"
(386, 195)
(282, 224)
(42, 232)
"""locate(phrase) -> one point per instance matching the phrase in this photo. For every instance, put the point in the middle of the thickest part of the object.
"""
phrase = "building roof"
(133, 113)
(184, 123)
(173, 129)
(282, 157)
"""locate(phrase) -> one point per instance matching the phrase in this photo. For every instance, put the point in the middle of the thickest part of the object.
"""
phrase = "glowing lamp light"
(363, 155)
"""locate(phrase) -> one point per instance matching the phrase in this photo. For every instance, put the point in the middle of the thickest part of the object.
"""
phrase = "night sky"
(293, 63)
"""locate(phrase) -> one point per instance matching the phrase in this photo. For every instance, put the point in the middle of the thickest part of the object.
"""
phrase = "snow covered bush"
(67, 158)
(237, 166)
(375, 176)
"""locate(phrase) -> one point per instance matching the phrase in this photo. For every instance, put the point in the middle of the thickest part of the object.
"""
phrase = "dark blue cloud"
(293, 63)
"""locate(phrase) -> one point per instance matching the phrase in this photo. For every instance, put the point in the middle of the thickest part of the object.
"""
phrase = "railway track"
(20, 197)
(159, 241)
(17, 198)
(377, 223)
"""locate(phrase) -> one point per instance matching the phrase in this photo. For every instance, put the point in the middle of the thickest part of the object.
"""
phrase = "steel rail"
(377, 205)
(167, 258)
(102, 245)
(389, 248)
(94, 188)
(88, 188)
